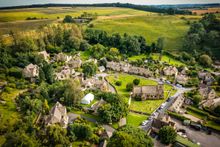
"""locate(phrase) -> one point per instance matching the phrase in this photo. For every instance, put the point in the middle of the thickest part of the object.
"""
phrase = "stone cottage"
(57, 115)
(31, 71)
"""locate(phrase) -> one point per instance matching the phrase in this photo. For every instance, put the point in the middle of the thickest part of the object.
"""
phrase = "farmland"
(112, 20)
(205, 10)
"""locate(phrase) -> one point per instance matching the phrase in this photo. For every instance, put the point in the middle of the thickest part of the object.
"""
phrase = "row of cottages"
(95, 83)
(128, 68)
(148, 92)
(57, 115)
(177, 104)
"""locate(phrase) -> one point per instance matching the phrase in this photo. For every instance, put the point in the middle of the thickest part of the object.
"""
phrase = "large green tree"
(129, 136)
(167, 135)
(89, 69)
(73, 93)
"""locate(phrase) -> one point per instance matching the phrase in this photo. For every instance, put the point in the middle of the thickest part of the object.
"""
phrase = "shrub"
(118, 83)
(205, 60)
(136, 81)
(129, 86)
(177, 116)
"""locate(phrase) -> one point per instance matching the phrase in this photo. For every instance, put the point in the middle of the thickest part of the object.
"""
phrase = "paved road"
(199, 136)
(166, 106)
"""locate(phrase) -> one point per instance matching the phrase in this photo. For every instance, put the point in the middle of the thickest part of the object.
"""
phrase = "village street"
(201, 137)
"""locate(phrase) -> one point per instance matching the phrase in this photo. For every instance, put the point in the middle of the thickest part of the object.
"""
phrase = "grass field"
(135, 120)
(144, 106)
(151, 26)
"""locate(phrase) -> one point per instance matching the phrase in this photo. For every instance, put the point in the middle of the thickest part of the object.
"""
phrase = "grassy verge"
(185, 141)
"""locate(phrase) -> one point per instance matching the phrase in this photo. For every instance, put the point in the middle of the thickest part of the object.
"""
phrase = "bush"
(15, 72)
(205, 60)
(136, 81)
(118, 83)
(129, 86)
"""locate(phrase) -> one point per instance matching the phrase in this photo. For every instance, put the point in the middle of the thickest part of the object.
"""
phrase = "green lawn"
(186, 142)
(168, 59)
(135, 120)
(165, 58)
(144, 106)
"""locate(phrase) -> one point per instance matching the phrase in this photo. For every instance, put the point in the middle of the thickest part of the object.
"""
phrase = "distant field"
(61, 12)
(205, 10)
(150, 25)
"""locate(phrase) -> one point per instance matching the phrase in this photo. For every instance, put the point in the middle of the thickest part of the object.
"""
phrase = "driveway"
(199, 136)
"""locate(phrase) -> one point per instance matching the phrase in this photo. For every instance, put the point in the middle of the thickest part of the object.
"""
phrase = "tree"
(80, 131)
(48, 72)
(114, 109)
(89, 69)
(68, 19)
(55, 135)
(20, 138)
(45, 107)
(98, 51)
(73, 93)
(167, 135)
(217, 110)
(129, 136)
(136, 81)
(129, 86)
(205, 60)
(197, 99)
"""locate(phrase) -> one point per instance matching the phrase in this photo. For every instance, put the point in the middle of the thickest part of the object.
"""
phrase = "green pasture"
(151, 26)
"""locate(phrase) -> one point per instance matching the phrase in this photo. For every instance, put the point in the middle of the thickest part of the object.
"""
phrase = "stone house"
(95, 83)
(177, 104)
(170, 71)
(61, 57)
(182, 79)
(57, 115)
(207, 92)
(162, 121)
(44, 55)
(75, 63)
(211, 103)
(31, 71)
(148, 92)
(65, 73)
(206, 77)
(101, 68)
